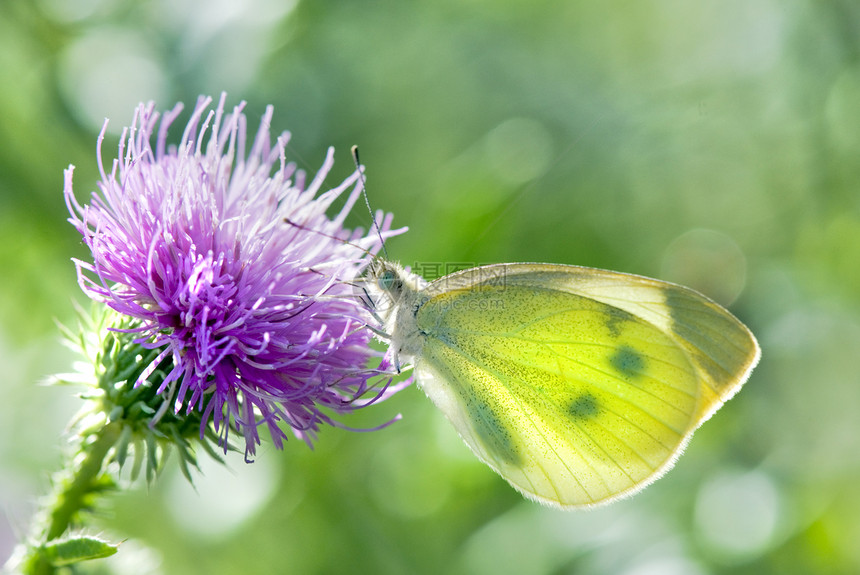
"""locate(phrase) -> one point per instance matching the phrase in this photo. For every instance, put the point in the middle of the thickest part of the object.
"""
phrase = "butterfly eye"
(387, 281)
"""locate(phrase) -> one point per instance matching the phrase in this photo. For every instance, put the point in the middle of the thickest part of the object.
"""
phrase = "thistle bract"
(225, 255)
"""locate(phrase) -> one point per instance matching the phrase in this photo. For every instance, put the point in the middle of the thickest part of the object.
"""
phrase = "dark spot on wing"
(615, 319)
(628, 361)
(584, 407)
(721, 344)
(495, 436)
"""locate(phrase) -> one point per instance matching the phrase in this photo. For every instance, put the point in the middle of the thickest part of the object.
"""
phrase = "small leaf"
(138, 451)
(151, 457)
(77, 549)
(122, 445)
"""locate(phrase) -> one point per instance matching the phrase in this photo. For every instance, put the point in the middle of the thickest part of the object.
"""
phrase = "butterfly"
(579, 386)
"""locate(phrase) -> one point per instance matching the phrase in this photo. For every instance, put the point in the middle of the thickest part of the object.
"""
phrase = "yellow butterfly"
(579, 386)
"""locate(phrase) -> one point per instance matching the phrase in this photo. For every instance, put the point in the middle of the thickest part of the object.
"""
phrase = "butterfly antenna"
(366, 200)
(325, 235)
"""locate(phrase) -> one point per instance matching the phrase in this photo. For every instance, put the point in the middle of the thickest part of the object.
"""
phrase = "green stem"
(72, 494)
(73, 487)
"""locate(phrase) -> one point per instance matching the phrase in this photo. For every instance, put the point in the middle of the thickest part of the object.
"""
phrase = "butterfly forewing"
(721, 348)
(575, 391)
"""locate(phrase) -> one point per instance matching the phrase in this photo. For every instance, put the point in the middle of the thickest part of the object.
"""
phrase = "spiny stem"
(72, 491)
(73, 488)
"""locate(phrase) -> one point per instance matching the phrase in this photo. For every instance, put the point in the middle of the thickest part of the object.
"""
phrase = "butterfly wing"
(577, 385)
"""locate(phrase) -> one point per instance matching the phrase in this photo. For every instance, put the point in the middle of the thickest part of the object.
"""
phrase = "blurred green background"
(713, 143)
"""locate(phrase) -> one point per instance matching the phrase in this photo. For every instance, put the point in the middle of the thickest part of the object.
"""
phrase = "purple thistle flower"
(257, 314)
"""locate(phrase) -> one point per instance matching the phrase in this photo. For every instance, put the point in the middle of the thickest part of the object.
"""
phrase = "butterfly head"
(389, 279)
(393, 295)
(388, 287)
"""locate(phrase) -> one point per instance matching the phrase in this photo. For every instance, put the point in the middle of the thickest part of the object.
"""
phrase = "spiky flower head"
(224, 255)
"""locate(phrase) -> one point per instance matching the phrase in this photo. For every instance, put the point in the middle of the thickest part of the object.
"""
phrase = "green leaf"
(77, 549)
